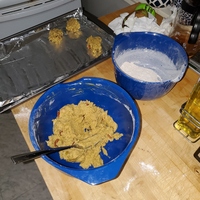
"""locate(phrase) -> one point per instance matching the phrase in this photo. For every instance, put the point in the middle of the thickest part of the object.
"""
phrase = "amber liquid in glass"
(189, 122)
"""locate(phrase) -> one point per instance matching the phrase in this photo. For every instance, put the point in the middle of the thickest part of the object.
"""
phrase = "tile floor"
(21, 181)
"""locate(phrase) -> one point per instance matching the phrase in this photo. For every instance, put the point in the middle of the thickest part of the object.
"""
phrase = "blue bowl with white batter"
(159, 63)
(104, 94)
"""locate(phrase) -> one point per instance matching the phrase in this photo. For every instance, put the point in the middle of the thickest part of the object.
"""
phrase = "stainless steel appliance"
(19, 15)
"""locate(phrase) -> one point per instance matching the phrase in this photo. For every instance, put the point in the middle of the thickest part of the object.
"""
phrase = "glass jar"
(188, 123)
(186, 27)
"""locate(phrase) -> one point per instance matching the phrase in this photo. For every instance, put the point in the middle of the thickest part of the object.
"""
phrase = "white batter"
(148, 65)
(140, 73)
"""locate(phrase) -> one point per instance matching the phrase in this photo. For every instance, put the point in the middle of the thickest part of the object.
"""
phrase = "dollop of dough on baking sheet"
(94, 46)
(73, 28)
(55, 36)
(88, 126)
(73, 25)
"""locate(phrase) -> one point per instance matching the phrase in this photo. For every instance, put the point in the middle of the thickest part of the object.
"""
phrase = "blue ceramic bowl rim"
(124, 154)
(150, 34)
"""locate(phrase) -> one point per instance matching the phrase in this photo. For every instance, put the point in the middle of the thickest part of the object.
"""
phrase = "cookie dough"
(94, 46)
(88, 126)
(55, 36)
(73, 25)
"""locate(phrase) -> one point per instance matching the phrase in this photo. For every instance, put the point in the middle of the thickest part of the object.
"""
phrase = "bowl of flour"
(147, 64)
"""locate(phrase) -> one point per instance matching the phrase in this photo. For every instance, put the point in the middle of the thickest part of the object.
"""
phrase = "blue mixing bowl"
(102, 93)
(139, 89)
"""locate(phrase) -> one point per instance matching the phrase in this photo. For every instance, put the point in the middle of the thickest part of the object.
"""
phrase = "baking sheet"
(29, 63)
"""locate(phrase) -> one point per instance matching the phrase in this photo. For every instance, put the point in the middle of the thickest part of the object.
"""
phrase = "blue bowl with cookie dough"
(106, 95)
(148, 65)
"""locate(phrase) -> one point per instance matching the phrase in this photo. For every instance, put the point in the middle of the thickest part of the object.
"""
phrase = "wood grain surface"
(160, 167)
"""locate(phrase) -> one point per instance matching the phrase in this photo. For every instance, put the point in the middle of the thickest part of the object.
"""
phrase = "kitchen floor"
(24, 181)
(21, 181)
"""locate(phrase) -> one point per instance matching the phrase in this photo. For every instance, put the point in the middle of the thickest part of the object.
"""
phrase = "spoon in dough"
(25, 157)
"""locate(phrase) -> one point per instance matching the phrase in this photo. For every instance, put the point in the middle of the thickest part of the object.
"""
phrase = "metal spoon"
(25, 157)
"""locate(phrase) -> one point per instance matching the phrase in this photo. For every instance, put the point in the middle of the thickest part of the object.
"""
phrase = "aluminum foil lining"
(29, 63)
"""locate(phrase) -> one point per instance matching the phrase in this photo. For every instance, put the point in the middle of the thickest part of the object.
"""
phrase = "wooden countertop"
(161, 166)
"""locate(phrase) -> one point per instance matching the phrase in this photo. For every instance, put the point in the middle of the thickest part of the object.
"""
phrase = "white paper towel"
(135, 24)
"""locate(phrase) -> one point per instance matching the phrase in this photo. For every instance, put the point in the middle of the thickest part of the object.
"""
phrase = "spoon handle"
(25, 157)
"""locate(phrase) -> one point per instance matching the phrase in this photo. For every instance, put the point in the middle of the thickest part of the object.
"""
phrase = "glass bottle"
(188, 123)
